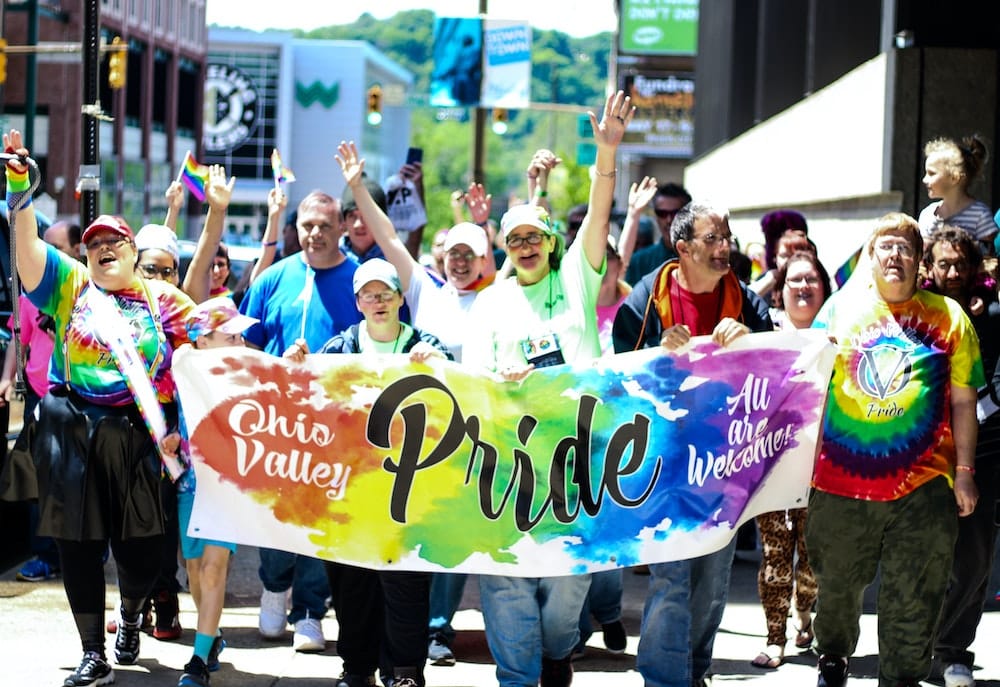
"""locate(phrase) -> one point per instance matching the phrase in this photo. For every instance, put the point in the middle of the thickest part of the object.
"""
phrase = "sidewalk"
(40, 643)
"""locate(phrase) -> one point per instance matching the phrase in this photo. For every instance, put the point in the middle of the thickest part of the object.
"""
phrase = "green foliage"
(565, 70)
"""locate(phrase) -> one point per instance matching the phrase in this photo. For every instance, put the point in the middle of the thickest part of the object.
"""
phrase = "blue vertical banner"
(507, 76)
(458, 62)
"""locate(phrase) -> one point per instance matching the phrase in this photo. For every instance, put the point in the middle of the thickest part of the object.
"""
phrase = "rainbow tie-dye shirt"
(887, 427)
(65, 290)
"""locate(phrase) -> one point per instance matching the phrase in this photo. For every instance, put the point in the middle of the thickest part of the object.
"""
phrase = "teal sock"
(202, 645)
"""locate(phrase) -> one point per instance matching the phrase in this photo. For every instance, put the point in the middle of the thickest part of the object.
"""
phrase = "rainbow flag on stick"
(194, 175)
(281, 173)
(844, 271)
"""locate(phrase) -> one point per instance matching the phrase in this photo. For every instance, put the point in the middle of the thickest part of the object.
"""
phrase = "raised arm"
(639, 196)
(415, 173)
(30, 247)
(175, 203)
(218, 193)
(542, 162)
(608, 133)
(378, 222)
(277, 201)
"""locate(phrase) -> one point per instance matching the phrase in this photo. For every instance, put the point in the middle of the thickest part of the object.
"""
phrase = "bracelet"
(541, 192)
(531, 176)
(966, 468)
(269, 244)
(612, 173)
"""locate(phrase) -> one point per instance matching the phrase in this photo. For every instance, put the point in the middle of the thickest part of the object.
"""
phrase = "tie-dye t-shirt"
(65, 292)
(887, 428)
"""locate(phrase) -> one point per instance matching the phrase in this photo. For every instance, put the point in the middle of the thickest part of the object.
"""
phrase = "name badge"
(543, 351)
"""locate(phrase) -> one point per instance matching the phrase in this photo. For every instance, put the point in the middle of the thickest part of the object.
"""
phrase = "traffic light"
(3, 61)
(500, 117)
(375, 105)
(117, 63)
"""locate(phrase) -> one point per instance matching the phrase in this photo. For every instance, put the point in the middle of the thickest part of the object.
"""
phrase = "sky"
(568, 16)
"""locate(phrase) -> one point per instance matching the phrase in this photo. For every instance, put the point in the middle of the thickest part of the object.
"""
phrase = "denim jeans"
(528, 618)
(683, 610)
(306, 576)
(604, 601)
(446, 595)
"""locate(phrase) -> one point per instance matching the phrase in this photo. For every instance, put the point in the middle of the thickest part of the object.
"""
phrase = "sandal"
(770, 658)
(804, 637)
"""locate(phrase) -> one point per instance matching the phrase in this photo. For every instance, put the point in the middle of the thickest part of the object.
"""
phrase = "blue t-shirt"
(288, 309)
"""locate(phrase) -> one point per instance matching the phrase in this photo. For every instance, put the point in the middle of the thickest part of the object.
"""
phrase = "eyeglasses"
(712, 239)
(531, 239)
(945, 266)
(663, 214)
(376, 297)
(904, 249)
(799, 282)
(152, 271)
(112, 243)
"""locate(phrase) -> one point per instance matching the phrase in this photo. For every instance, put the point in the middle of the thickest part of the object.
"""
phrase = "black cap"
(377, 194)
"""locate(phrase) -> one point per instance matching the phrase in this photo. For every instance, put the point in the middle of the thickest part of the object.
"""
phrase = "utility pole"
(90, 170)
(478, 133)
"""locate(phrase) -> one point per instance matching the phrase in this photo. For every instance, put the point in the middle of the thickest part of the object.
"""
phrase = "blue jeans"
(446, 595)
(683, 610)
(604, 601)
(528, 618)
(306, 576)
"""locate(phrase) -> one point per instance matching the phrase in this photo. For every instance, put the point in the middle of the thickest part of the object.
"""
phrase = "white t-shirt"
(563, 303)
(442, 311)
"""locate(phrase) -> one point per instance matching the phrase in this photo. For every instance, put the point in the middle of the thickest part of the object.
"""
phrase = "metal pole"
(90, 171)
(478, 141)
(31, 78)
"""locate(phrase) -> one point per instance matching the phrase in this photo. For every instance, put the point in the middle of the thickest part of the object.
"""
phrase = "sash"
(116, 332)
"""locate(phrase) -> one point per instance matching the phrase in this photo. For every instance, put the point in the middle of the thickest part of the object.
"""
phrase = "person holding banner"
(97, 434)
(383, 614)
(897, 460)
(696, 295)
(299, 302)
(545, 314)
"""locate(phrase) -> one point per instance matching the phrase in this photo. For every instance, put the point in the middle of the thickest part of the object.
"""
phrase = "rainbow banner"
(194, 175)
(374, 461)
(280, 172)
(845, 271)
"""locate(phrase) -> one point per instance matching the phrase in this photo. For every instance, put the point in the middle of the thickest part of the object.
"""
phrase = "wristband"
(612, 173)
(269, 244)
(541, 192)
(966, 468)
(17, 181)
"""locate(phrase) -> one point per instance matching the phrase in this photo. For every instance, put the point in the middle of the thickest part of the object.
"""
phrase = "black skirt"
(98, 470)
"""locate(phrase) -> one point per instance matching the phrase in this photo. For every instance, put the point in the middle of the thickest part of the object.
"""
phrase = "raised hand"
(351, 165)
(480, 203)
(640, 194)
(218, 192)
(277, 201)
(618, 113)
(13, 142)
(175, 196)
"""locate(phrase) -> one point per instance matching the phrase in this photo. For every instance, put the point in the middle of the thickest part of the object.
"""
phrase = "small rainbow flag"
(194, 175)
(844, 271)
(281, 173)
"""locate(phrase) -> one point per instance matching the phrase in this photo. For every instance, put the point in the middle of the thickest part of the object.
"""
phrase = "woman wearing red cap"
(98, 468)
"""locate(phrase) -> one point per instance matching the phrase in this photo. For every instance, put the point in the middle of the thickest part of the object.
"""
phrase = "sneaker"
(832, 671)
(438, 651)
(273, 617)
(958, 675)
(93, 670)
(37, 570)
(615, 637)
(127, 641)
(346, 680)
(308, 636)
(218, 644)
(557, 673)
(195, 674)
(168, 623)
